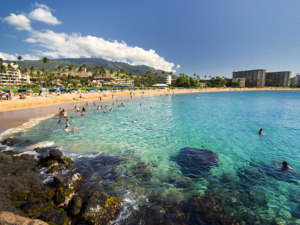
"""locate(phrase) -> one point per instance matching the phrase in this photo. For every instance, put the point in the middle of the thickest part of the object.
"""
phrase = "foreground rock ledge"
(9, 218)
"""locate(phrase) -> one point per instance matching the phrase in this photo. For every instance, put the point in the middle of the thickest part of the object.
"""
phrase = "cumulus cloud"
(75, 45)
(6, 56)
(43, 14)
(21, 22)
(178, 66)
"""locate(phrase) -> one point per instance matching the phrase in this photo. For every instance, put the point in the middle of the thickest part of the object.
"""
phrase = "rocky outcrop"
(9, 218)
(101, 208)
(208, 210)
(195, 162)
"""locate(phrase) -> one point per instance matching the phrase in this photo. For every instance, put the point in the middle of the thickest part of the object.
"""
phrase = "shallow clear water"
(225, 123)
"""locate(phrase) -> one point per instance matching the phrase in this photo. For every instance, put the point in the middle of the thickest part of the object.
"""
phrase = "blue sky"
(203, 37)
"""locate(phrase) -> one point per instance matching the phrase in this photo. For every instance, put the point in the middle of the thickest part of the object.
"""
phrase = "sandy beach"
(17, 112)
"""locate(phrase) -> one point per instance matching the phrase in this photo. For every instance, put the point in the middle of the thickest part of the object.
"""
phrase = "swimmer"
(59, 121)
(94, 103)
(285, 166)
(98, 107)
(67, 128)
(140, 103)
(113, 104)
(83, 109)
(75, 128)
(104, 111)
(134, 121)
(82, 113)
(111, 109)
(101, 107)
(67, 122)
(260, 131)
(150, 107)
(59, 111)
(106, 106)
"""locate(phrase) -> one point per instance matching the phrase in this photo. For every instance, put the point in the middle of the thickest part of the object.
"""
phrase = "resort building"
(124, 82)
(168, 80)
(242, 81)
(11, 75)
(253, 78)
(282, 78)
(297, 79)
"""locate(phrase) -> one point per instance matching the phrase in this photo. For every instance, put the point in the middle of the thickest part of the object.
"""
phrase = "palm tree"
(84, 66)
(45, 61)
(163, 72)
(122, 71)
(111, 72)
(70, 68)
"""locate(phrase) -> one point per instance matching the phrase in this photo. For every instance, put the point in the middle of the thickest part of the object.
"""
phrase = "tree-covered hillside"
(91, 62)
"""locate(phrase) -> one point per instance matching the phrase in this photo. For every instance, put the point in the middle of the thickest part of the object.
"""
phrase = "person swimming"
(75, 127)
(134, 121)
(59, 121)
(260, 131)
(98, 107)
(82, 113)
(67, 129)
(285, 166)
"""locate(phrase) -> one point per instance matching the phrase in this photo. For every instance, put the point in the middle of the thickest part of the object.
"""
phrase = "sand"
(17, 111)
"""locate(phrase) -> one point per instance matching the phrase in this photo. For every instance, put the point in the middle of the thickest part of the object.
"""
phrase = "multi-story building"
(168, 79)
(242, 81)
(124, 82)
(282, 78)
(297, 79)
(11, 75)
(253, 78)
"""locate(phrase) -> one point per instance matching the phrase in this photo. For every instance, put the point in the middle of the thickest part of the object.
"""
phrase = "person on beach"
(94, 103)
(112, 96)
(100, 98)
(285, 166)
(260, 131)
(75, 128)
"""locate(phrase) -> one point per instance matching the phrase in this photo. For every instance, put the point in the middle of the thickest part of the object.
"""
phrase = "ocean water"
(109, 146)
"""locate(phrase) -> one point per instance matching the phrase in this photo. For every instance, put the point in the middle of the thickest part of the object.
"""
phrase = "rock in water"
(101, 208)
(208, 210)
(195, 162)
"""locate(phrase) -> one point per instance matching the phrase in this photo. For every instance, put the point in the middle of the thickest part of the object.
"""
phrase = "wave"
(26, 126)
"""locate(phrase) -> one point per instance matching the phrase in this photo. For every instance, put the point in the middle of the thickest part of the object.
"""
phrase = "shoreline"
(16, 118)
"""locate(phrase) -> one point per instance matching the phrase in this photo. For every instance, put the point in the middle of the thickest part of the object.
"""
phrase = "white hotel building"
(12, 77)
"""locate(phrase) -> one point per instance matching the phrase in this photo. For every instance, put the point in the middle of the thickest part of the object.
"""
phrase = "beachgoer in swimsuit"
(59, 121)
(75, 128)
(82, 113)
(83, 109)
(260, 132)
(285, 166)
(67, 129)
(111, 109)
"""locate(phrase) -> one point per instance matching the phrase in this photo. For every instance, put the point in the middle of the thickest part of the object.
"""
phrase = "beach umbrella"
(5, 90)
(114, 89)
(93, 89)
(52, 90)
(22, 90)
(42, 89)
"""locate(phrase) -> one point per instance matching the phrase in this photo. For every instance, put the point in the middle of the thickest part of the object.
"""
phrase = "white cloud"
(6, 56)
(21, 22)
(43, 14)
(75, 46)
(178, 66)
(9, 35)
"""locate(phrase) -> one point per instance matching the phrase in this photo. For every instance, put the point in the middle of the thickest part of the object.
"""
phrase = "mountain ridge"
(91, 62)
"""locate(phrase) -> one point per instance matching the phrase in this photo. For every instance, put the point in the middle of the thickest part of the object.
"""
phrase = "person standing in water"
(260, 131)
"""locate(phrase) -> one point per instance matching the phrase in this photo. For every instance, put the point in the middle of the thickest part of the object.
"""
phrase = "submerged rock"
(102, 208)
(11, 141)
(194, 162)
(206, 209)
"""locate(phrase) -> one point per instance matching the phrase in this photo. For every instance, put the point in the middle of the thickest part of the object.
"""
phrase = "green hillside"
(91, 62)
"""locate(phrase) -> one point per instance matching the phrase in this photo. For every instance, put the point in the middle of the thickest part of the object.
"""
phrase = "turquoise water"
(226, 123)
